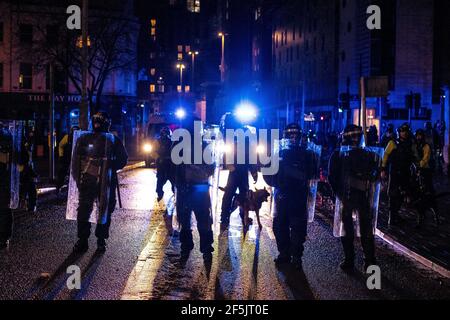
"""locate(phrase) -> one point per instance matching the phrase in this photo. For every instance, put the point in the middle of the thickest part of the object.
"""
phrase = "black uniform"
(351, 175)
(28, 176)
(399, 162)
(297, 166)
(6, 219)
(91, 187)
(192, 195)
(164, 166)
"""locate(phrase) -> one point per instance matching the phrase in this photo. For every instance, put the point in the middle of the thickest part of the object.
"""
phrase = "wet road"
(142, 261)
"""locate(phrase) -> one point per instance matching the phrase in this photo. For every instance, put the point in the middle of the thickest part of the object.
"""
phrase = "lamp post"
(181, 67)
(84, 107)
(222, 63)
(193, 54)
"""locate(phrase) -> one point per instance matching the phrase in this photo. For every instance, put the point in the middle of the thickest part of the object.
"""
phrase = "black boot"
(348, 265)
(3, 244)
(81, 246)
(282, 259)
(101, 245)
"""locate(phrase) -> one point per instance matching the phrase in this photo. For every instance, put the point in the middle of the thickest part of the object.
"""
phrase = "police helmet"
(420, 132)
(404, 128)
(292, 131)
(352, 135)
(103, 120)
(165, 132)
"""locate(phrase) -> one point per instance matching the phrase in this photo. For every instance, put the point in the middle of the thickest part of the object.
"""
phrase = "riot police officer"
(425, 197)
(10, 133)
(237, 177)
(297, 167)
(5, 186)
(96, 159)
(192, 195)
(164, 168)
(65, 156)
(352, 172)
(399, 156)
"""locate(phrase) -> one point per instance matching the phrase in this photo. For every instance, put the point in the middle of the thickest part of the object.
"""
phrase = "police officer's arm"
(120, 155)
(334, 171)
(424, 162)
(387, 153)
(62, 144)
(76, 162)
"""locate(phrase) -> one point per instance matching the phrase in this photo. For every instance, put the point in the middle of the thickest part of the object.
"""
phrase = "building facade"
(33, 35)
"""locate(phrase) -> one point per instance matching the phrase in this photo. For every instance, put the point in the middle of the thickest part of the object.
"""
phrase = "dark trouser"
(163, 175)
(397, 191)
(362, 206)
(6, 224)
(29, 191)
(195, 198)
(88, 195)
(63, 172)
(236, 180)
(426, 198)
(291, 223)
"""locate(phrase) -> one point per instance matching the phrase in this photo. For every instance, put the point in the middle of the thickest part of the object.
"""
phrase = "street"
(142, 259)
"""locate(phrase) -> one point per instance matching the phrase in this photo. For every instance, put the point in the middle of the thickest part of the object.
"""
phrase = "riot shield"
(10, 146)
(360, 187)
(90, 177)
(316, 152)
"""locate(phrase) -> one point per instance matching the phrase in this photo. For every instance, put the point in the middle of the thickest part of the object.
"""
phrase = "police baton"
(118, 191)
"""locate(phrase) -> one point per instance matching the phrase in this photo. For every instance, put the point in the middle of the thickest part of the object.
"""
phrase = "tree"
(112, 46)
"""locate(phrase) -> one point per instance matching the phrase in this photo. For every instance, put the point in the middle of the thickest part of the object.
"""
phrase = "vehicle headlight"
(148, 148)
(260, 149)
(226, 148)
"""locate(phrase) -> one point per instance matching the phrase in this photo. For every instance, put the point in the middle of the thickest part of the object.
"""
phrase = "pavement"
(429, 245)
(142, 261)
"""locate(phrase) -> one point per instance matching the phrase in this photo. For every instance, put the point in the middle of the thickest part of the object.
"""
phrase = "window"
(1, 75)
(153, 31)
(52, 35)
(152, 71)
(180, 48)
(187, 88)
(193, 6)
(26, 76)
(187, 49)
(179, 89)
(161, 88)
(152, 88)
(152, 55)
(180, 56)
(26, 33)
(1, 32)
(153, 22)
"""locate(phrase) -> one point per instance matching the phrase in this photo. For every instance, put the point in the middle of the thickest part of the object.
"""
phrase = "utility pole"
(363, 107)
(84, 107)
(51, 150)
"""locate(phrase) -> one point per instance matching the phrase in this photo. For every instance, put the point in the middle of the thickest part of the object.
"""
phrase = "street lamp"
(222, 63)
(193, 54)
(181, 67)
